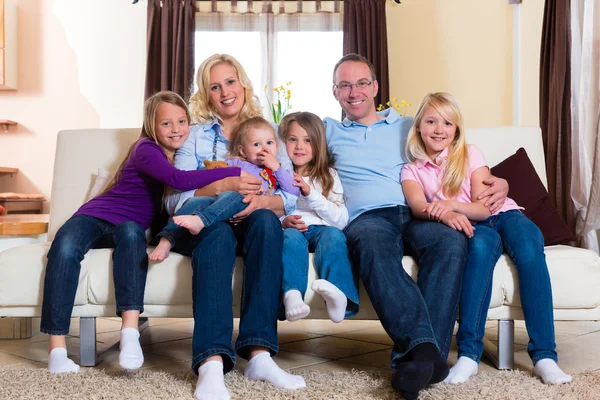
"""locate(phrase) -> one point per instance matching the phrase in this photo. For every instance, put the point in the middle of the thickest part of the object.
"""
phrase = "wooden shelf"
(8, 170)
(24, 224)
(6, 123)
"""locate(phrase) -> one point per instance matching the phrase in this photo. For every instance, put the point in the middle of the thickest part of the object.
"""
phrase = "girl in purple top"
(252, 148)
(442, 183)
(117, 219)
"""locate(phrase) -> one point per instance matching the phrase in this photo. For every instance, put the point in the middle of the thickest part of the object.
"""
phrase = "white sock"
(211, 383)
(335, 299)
(58, 362)
(550, 372)
(261, 367)
(131, 356)
(295, 307)
(462, 370)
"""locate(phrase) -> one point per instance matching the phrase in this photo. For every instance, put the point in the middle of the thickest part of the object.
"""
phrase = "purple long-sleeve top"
(283, 177)
(137, 196)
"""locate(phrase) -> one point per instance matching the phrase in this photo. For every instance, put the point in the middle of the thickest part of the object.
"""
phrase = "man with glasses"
(369, 148)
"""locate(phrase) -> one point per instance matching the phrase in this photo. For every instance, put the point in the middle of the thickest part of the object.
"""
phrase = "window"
(275, 49)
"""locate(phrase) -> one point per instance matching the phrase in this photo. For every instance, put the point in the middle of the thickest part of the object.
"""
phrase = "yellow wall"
(465, 47)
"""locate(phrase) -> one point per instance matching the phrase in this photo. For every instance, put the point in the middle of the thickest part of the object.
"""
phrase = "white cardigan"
(315, 209)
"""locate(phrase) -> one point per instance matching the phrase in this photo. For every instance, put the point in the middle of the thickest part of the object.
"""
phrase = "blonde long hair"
(318, 169)
(458, 153)
(202, 110)
(149, 128)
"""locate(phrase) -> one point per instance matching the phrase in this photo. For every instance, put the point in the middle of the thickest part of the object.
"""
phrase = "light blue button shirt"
(369, 160)
(199, 147)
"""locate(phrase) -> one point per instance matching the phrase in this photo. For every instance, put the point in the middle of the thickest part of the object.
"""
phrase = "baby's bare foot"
(161, 251)
(192, 223)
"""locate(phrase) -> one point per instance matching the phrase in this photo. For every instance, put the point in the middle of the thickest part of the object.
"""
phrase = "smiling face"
(257, 140)
(225, 93)
(299, 147)
(171, 126)
(436, 132)
(358, 103)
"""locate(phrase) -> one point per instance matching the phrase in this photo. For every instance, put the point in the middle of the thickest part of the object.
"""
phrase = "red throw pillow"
(528, 191)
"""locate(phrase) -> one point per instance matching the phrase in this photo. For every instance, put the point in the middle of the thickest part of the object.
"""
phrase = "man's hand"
(439, 208)
(496, 193)
(254, 203)
(303, 186)
(459, 222)
(294, 222)
(268, 160)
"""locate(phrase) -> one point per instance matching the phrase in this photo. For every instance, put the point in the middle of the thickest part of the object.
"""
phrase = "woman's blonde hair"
(202, 110)
(318, 169)
(458, 153)
(238, 137)
(149, 128)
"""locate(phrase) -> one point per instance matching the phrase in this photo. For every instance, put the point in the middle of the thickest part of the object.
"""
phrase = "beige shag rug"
(97, 384)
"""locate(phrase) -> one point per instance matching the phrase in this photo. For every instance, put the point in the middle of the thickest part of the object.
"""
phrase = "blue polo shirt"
(369, 160)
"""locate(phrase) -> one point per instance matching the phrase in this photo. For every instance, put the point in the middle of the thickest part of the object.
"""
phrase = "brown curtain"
(555, 105)
(365, 33)
(170, 46)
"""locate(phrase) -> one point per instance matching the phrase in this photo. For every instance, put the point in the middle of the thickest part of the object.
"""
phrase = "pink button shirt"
(430, 176)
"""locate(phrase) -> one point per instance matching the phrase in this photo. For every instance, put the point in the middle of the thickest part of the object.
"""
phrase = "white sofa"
(575, 273)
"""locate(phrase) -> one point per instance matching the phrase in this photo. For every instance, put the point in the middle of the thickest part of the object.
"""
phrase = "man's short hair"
(356, 58)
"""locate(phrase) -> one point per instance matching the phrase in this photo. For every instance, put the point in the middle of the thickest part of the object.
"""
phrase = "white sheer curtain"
(263, 36)
(585, 109)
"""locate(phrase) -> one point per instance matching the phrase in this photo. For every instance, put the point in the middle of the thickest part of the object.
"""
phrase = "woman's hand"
(496, 193)
(459, 222)
(254, 203)
(303, 186)
(245, 184)
(439, 208)
(294, 222)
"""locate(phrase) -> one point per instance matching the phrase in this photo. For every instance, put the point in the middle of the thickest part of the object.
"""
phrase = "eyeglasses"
(346, 87)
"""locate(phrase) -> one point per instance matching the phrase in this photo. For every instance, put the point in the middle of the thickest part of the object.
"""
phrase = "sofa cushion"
(528, 191)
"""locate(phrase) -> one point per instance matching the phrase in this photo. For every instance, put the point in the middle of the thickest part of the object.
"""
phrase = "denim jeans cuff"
(167, 235)
(227, 355)
(120, 309)
(242, 350)
(470, 355)
(540, 355)
(412, 344)
(53, 332)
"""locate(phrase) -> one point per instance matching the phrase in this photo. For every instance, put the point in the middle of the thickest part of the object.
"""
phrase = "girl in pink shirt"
(441, 183)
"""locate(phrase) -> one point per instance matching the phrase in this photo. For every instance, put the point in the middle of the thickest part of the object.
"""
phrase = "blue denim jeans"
(259, 239)
(73, 240)
(411, 313)
(331, 261)
(209, 209)
(521, 239)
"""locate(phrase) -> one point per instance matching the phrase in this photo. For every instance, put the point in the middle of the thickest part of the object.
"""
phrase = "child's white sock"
(295, 307)
(261, 367)
(192, 223)
(462, 370)
(161, 251)
(335, 299)
(58, 362)
(550, 372)
(211, 384)
(131, 356)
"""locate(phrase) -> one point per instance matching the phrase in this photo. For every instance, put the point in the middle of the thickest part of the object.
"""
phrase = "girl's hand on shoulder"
(459, 222)
(439, 208)
(303, 186)
(294, 222)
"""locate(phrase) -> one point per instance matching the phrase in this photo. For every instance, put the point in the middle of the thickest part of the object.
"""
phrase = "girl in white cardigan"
(315, 225)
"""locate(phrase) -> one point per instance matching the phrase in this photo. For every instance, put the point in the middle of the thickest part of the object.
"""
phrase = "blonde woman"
(223, 100)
